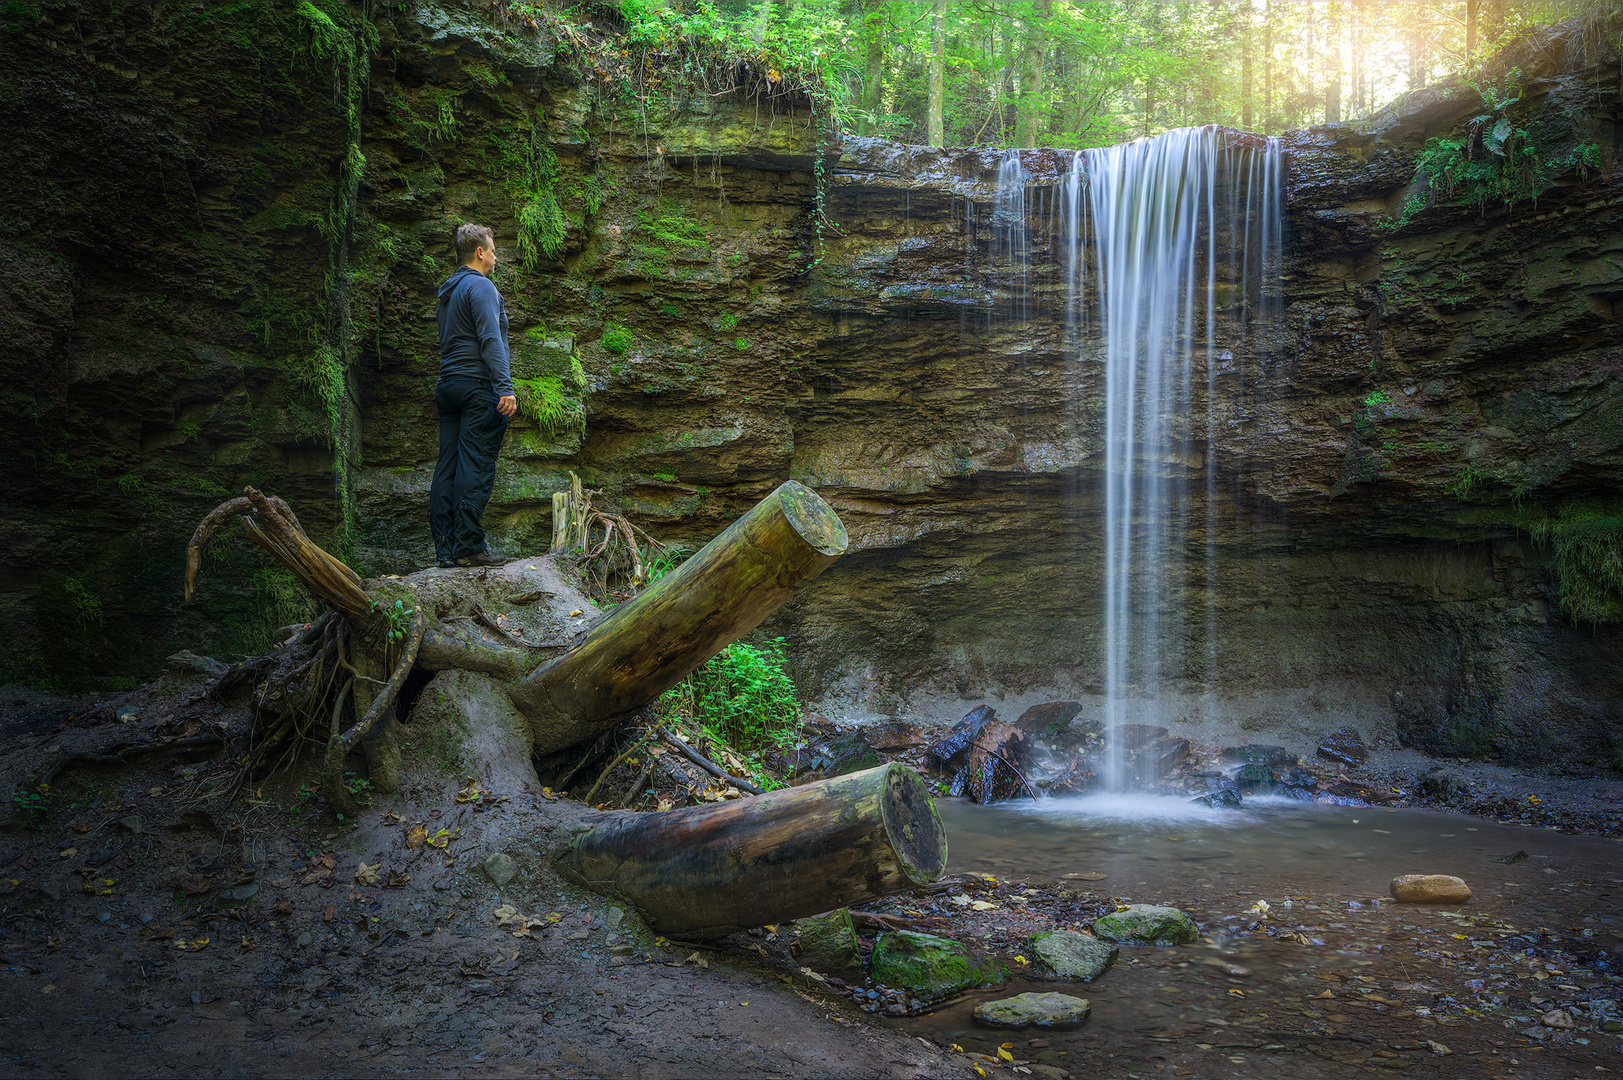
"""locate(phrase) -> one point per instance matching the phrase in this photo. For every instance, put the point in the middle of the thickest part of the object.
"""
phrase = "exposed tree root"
(116, 753)
(340, 743)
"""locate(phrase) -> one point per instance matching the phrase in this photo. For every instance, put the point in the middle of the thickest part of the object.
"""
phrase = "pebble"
(1430, 889)
(1557, 1018)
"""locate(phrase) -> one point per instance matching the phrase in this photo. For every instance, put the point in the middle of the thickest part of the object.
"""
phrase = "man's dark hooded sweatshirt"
(473, 376)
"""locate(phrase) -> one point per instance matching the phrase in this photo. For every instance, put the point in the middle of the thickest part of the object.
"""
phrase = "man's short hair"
(470, 238)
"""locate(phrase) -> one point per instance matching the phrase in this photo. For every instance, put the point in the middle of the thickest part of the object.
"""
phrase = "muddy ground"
(147, 928)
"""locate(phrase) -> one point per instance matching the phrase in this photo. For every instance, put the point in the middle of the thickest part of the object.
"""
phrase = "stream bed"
(1305, 967)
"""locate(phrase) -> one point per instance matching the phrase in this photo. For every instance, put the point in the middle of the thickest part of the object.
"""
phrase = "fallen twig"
(707, 765)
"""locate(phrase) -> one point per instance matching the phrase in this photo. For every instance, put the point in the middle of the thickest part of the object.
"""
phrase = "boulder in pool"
(1147, 924)
(1048, 1010)
(930, 967)
(1221, 799)
(1069, 956)
(1430, 889)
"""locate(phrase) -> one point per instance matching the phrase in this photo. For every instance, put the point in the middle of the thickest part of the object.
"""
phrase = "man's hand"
(508, 405)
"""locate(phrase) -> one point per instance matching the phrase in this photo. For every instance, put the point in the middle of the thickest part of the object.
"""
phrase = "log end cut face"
(814, 519)
(913, 825)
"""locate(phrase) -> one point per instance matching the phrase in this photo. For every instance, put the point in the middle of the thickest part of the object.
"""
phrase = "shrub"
(743, 696)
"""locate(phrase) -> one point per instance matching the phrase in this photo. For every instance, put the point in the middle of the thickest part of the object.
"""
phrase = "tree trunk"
(1470, 32)
(1029, 108)
(873, 82)
(935, 129)
(707, 871)
(650, 642)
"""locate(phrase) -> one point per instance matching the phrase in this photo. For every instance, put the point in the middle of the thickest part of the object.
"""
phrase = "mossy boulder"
(828, 942)
(1147, 924)
(930, 967)
(1068, 955)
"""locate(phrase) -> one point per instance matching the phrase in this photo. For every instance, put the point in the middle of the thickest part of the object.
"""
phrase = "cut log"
(708, 871)
(648, 644)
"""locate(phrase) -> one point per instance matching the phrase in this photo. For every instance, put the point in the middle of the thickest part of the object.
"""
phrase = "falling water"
(1185, 235)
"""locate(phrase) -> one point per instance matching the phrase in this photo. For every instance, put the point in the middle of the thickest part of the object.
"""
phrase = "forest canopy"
(1052, 73)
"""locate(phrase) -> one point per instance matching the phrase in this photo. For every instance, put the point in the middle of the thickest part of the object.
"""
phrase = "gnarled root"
(340, 742)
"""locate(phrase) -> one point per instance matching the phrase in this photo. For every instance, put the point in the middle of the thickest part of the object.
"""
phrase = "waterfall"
(1185, 236)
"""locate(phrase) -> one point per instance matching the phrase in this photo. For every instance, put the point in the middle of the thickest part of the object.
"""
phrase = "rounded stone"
(1430, 889)
(500, 868)
(1147, 924)
(1066, 954)
(1048, 1010)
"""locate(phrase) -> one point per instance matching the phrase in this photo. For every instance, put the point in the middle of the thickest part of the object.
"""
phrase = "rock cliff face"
(220, 248)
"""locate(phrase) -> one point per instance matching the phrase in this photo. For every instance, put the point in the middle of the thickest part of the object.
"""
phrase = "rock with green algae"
(930, 967)
(828, 942)
(1049, 1010)
(1066, 954)
(1147, 924)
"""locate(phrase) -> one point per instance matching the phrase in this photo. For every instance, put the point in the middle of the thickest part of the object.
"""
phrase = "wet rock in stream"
(1068, 955)
(1147, 924)
(1048, 1010)
(998, 761)
(963, 734)
(1430, 889)
(930, 967)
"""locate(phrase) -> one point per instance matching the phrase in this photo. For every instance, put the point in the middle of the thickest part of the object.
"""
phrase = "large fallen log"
(707, 871)
(647, 645)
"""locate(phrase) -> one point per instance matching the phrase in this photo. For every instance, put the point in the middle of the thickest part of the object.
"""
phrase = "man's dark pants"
(470, 437)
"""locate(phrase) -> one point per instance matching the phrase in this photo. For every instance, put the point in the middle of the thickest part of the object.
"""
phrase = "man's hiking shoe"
(447, 564)
(486, 557)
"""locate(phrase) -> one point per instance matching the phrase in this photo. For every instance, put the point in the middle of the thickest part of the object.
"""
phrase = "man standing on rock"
(474, 398)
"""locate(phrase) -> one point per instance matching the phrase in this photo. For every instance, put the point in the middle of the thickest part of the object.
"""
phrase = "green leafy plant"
(33, 805)
(743, 696)
(398, 618)
(617, 339)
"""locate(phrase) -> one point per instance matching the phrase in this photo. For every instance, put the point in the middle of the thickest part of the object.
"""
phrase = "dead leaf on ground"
(191, 945)
(283, 907)
(982, 905)
(157, 933)
(392, 818)
(471, 793)
(196, 884)
(697, 960)
(416, 836)
(99, 886)
(79, 827)
(397, 879)
(327, 913)
(316, 875)
(68, 853)
(367, 875)
(440, 839)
